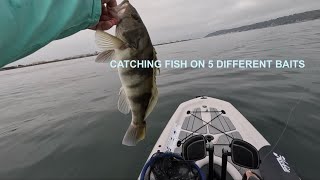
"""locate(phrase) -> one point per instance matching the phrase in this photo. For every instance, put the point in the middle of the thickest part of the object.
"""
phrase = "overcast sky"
(169, 20)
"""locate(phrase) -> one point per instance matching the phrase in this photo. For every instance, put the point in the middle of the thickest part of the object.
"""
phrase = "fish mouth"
(121, 8)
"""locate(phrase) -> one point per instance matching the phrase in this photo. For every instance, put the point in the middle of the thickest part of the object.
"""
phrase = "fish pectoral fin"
(152, 103)
(105, 56)
(123, 104)
(106, 41)
(134, 134)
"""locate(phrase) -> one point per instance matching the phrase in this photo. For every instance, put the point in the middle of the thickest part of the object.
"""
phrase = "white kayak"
(221, 121)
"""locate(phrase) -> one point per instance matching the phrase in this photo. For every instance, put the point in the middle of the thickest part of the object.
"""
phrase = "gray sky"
(169, 20)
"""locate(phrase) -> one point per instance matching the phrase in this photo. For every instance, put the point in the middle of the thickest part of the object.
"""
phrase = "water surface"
(60, 120)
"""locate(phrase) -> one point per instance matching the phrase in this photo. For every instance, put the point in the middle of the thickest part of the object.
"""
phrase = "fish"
(139, 93)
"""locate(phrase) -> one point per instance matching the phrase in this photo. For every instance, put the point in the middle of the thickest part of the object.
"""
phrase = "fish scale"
(138, 93)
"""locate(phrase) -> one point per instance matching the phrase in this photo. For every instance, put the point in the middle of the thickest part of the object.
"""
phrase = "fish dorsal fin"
(154, 54)
(155, 58)
(105, 56)
(123, 104)
(106, 41)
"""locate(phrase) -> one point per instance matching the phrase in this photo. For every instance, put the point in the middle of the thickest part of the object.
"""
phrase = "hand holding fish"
(42, 27)
(108, 16)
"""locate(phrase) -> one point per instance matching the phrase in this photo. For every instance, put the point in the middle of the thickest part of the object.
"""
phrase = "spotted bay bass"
(138, 93)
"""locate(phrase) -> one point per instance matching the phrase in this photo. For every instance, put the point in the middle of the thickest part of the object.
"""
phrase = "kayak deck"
(193, 114)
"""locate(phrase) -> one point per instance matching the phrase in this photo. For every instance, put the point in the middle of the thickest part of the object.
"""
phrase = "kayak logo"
(283, 163)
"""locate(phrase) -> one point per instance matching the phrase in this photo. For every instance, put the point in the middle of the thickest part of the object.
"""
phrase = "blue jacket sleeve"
(28, 25)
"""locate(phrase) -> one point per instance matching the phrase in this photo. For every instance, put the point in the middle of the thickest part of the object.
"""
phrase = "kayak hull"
(224, 122)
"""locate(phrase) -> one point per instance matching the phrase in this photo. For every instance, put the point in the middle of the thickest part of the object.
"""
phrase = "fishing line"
(285, 127)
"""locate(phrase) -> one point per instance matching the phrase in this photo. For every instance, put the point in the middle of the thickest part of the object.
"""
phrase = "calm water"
(60, 121)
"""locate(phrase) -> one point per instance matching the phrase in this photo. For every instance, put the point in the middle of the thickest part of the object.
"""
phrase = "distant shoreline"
(291, 19)
(73, 58)
(48, 62)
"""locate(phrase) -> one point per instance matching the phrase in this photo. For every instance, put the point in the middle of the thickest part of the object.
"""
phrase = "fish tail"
(134, 134)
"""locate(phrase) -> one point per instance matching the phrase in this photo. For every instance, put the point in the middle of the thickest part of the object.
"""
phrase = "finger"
(105, 11)
(93, 27)
(104, 25)
(114, 21)
(109, 11)
(105, 18)
(248, 174)
(113, 13)
(112, 3)
(104, 1)
(103, 4)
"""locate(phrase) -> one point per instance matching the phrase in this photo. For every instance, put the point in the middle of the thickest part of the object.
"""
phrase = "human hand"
(108, 16)
(251, 176)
